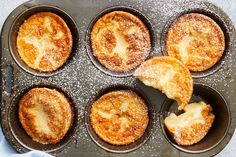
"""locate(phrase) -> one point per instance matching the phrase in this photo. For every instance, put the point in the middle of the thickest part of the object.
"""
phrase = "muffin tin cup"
(222, 25)
(120, 148)
(219, 127)
(24, 16)
(93, 58)
(19, 137)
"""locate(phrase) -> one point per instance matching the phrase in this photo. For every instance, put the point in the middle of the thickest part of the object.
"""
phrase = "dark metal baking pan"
(82, 80)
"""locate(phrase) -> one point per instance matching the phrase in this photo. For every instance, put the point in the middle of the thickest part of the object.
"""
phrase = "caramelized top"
(119, 117)
(45, 114)
(196, 40)
(44, 41)
(120, 41)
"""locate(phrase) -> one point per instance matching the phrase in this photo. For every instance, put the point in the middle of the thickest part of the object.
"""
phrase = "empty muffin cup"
(120, 148)
(19, 20)
(219, 127)
(222, 23)
(21, 141)
(89, 48)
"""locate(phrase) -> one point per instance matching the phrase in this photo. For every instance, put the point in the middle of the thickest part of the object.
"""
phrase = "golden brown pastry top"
(168, 75)
(119, 117)
(196, 40)
(191, 126)
(45, 114)
(120, 41)
(44, 41)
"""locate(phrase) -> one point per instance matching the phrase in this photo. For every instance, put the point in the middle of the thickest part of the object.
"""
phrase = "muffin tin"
(83, 80)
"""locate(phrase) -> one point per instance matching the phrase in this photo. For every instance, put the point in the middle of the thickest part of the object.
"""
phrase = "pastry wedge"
(168, 75)
(191, 126)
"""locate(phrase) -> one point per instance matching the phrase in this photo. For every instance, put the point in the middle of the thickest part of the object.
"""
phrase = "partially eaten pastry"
(191, 126)
(168, 75)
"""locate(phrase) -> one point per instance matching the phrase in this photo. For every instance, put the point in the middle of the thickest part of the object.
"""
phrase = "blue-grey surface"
(229, 6)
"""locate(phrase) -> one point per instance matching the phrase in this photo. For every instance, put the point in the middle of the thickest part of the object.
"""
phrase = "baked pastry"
(44, 42)
(168, 75)
(45, 114)
(120, 41)
(119, 117)
(191, 126)
(196, 40)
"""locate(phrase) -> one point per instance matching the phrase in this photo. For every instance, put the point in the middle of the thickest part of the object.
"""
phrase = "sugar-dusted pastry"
(119, 117)
(191, 126)
(120, 41)
(168, 75)
(44, 42)
(196, 40)
(45, 114)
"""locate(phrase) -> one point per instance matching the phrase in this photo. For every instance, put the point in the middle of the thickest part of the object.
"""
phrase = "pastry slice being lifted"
(168, 75)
